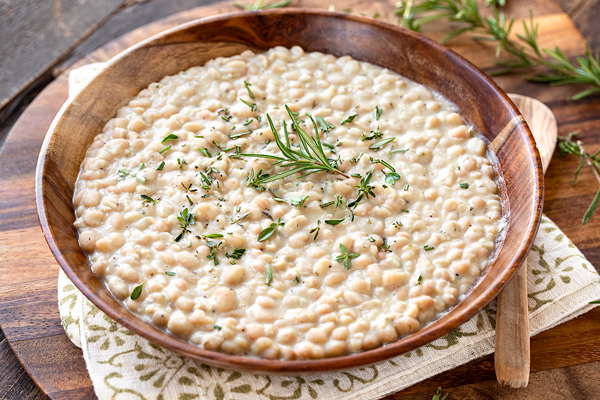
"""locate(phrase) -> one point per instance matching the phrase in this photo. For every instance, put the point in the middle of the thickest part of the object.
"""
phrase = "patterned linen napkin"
(122, 365)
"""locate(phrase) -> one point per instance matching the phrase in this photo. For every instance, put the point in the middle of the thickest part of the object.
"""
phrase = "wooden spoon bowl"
(482, 103)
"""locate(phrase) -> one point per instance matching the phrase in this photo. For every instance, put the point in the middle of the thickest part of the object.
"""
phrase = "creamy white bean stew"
(205, 223)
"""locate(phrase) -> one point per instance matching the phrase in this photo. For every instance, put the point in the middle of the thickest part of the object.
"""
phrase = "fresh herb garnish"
(334, 221)
(217, 327)
(406, 187)
(188, 188)
(324, 205)
(123, 173)
(248, 84)
(384, 163)
(214, 247)
(186, 219)
(566, 145)
(308, 160)
(165, 149)
(253, 180)
(364, 189)
(345, 257)
(170, 137)
(212, 236)
(419, 279)
(438, 394)
(378, 112)
(381, 143)
(236, 254)
(239, 135)
(268, 232)
(269, 275)
(391, 178)
(137, 291)
(349, 119)
(298, 201)
(525, 49)
(247, 122)
(392, 151)
(251, 105)
(464, 185)
(374, 135)
(316, 230)
(324, 125)
(147, 199)
(239, 219)
(427, 247)
(160, 166)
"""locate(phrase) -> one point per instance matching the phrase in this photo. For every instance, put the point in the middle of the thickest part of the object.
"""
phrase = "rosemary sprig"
(525, 50)
(258, 5)
(566, 145)
(307, 158)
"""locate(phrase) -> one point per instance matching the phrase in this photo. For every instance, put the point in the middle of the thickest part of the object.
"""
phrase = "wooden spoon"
(512, 316)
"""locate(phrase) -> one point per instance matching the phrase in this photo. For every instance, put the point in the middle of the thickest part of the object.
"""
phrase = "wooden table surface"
(564, 359)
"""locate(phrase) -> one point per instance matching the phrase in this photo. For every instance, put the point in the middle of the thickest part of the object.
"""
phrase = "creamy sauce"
(164, 200)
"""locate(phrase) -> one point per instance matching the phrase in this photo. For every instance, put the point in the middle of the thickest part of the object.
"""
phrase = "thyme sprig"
(364, 189)
(186, 219)
(566, 145)
(345, 257)
(525, 49)
(307, 158)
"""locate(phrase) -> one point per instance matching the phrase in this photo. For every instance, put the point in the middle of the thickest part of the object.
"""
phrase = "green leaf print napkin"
(122, 365)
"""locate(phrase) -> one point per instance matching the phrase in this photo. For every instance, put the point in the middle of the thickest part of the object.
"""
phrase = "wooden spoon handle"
(512, 332)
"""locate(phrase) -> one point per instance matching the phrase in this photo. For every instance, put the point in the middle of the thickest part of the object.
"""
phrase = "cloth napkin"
(122, 365)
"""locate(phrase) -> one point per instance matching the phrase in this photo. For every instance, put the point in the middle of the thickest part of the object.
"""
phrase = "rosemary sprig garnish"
(248, 84)
(566, 145)
(307, 159)
(525, 50)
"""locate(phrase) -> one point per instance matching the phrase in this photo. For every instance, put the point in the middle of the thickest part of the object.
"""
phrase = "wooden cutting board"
(28, 273)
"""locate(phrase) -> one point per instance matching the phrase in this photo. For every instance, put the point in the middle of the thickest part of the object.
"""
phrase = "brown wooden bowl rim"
(431, 332)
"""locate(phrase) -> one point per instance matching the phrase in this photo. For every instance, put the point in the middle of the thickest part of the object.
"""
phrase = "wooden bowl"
(482, 103)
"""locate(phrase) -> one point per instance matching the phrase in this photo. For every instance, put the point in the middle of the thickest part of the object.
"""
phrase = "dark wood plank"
(584, 14)
(46, 29)
(14, 381)
(132, 17)
(58, 354)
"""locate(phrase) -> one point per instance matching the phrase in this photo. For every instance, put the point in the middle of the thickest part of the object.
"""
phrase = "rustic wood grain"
(574, 342)
(35, 34)
(15, 383)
